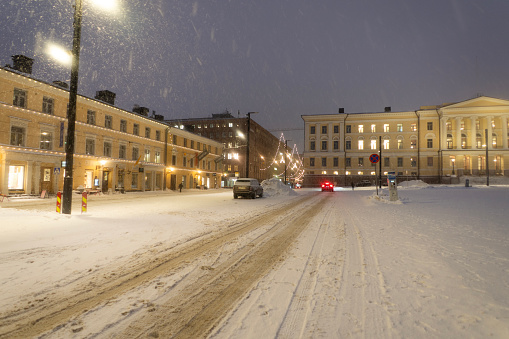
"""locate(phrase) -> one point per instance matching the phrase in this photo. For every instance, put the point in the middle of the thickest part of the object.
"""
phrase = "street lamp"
(487, 163)
(71, 115)
(453, 161)
(247, 141)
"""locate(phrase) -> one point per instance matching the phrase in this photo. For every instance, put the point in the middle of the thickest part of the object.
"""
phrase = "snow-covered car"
(327, 186)
(297, 185)
(364, 183)
(248, 188)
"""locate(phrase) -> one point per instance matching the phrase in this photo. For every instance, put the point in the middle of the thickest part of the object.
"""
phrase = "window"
(324, 129)
(20, 98)
(146, 158)
(336, 144)
(185, 142)
(478, 140)
(494, 140)
(91, 117)
(361, 128)
(184, 163)
(348, 162)
(430, 161)
(399, 128)
(136, 129)
(386, 144)
(413, 127)
(192, 143)
(157, 157)
(123, 126)
(413, 162)
(400, 143)
(147, 132)
(386, 128)
(430, 126)
(373, 128)
(47, 105)
(477, 124)
(463, 140)
(135, 153)
(348, 128)
(46, 140)
(17, 136)
(335, 161)
(311, 162)
(373, 143)
(107, 149)
(158, 135)
(448, 126)
(90, 146)
(348, 144)
(413, 143)
(462, 125)
(174, 139)
(361, 144)
(108, 121)
(16, 178)
(122, 151)
(400, 162)
(430, 143)
(312, 145)
(312, 129)
(387, 162)
(324, 145)
(336, 129)
(174, 160)
(324, 162)
(361, 162)
(230, 124)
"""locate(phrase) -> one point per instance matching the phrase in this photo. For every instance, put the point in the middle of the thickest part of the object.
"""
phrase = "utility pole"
(487, 162)
(380, 162)
(286, 146)
(247, 138)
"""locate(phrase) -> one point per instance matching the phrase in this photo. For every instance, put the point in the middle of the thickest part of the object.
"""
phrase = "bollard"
(59, 202)
(467, 183)
(84, 202)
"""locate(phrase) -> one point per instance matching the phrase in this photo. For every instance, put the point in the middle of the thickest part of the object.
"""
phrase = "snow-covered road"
(435, 264)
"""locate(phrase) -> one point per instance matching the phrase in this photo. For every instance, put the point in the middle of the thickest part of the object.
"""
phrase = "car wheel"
(235, 196)
(253, 195)
(261, 195)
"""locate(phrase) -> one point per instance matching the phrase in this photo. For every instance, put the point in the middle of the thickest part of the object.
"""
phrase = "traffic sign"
(374, 158)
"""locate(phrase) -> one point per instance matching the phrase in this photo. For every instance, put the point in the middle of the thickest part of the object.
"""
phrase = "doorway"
(47, 179)
(106, 180)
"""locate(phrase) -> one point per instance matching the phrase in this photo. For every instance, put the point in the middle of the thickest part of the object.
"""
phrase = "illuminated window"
(146, 158)
(386, 144)
(373, 143)
(373, 128)
(361, 128)
(400, 143)
(16, 177)
(413, 127)
(157, 156)
(399, 127)
(361, 144)
(386, 128)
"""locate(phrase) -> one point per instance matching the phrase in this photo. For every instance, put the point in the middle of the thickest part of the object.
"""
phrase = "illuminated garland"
(295, 165)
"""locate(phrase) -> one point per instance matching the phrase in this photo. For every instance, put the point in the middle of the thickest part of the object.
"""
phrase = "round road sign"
(374, 158)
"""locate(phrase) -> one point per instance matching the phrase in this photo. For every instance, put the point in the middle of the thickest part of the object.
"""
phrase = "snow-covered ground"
(433, 264)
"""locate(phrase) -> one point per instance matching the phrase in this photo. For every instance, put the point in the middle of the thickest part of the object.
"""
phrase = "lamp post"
(71, 118)
(286, 146)
(453, 161)
(247, 141)
(487, 163)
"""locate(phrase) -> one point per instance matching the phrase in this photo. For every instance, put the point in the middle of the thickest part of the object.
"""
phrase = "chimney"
(62, 84)
(22, 63)
(141, 110)
(106, 96)
(341, 110)
(388, 109)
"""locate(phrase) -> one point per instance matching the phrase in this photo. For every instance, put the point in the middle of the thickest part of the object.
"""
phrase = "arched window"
(449, 141)
(463, 140)
(478, 140)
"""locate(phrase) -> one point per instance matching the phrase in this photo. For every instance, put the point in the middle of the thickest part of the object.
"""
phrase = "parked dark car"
(327, 186)
(247, 188)
(363, 183)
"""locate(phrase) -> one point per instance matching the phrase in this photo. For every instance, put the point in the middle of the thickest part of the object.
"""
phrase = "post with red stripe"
(84, 202)
(59, 202)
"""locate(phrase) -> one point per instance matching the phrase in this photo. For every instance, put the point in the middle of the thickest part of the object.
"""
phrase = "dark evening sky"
(281, 58)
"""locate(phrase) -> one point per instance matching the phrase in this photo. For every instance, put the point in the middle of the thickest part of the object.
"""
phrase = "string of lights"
(294, 165)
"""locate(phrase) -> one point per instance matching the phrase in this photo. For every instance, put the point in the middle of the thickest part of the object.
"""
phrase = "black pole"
(71, 118)
(247, 146)
(487, 163)
(380, 162)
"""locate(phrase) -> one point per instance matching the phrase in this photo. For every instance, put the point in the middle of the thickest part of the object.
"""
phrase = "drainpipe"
(418, 145)
(166, 131)
(344, 145)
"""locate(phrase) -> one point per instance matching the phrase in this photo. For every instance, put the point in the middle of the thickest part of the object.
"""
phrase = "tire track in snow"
(296, 317)
(363, 291)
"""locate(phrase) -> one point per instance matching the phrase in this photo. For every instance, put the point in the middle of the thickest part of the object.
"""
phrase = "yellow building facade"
(437, 144)
(115, 150)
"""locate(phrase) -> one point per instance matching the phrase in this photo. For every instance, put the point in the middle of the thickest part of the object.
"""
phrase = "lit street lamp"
(73, 94)
(453, 161)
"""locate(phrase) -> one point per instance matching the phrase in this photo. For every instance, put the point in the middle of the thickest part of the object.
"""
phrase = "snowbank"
(413, 184)
(274, 187)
